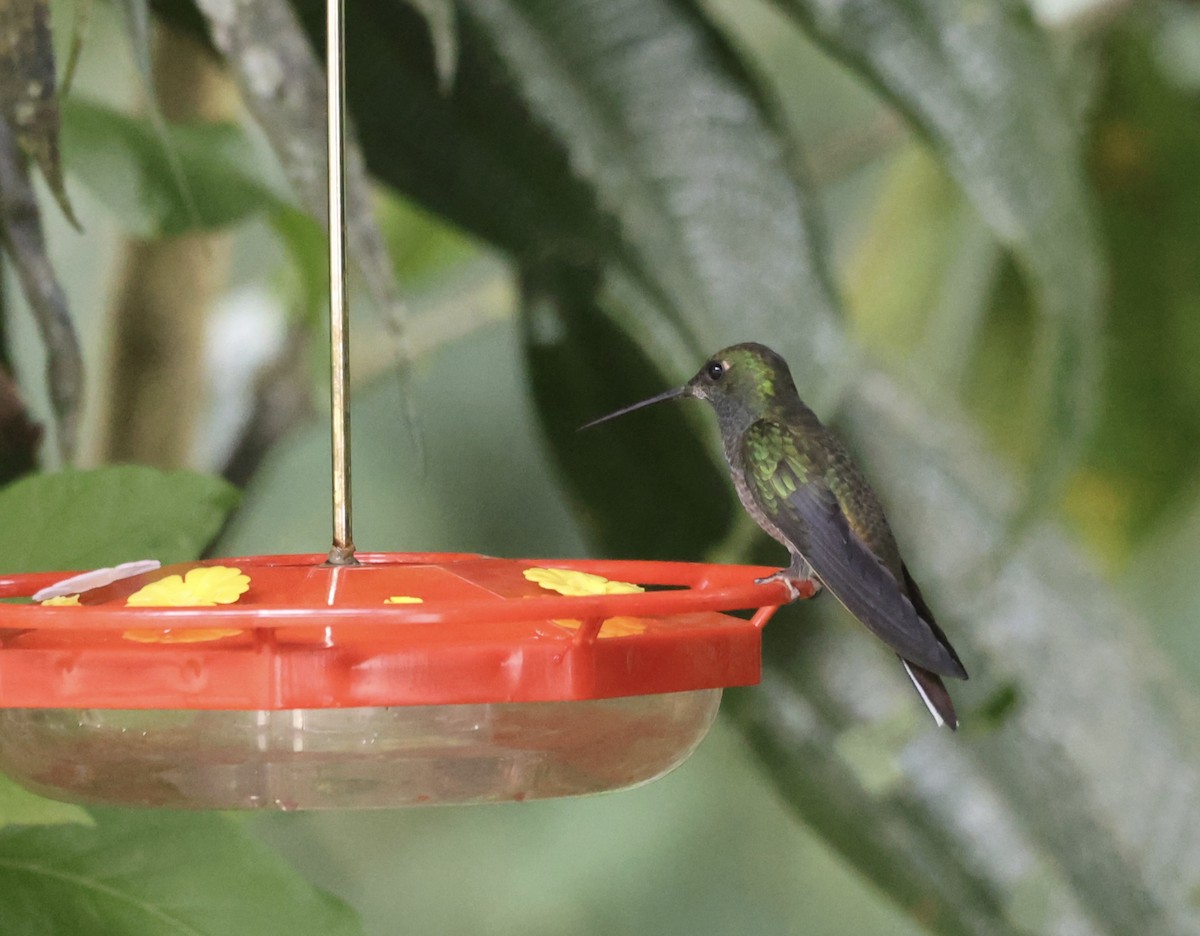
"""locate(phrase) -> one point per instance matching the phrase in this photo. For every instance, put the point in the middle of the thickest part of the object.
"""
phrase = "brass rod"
(342, 550)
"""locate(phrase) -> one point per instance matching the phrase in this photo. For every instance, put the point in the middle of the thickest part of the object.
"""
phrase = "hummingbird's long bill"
(668, 395)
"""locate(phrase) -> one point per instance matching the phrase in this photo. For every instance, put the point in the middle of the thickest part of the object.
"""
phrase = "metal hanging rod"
(342, 550)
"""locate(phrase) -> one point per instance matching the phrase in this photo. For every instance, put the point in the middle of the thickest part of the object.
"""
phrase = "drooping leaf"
(979, 80)
(126, 164)
(22, 239)
(91, 519)
(657, 116)
(694, 189)
(581, 366)
(28, 99)
(154, 873)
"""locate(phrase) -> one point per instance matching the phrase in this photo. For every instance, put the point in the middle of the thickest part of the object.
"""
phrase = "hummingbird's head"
(741, 382)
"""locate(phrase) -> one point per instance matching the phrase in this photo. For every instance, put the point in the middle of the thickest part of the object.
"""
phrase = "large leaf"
(574, 351)
(979, 80)
(149, 874)
(1076, 744)
(20, 807)
(657, 116)
(92, 519)
(171, 179)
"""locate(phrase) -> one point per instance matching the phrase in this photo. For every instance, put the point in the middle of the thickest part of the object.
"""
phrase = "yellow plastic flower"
(612, 627)
(62, 601)
(572, 583)
(202, 587)
(404, 599)
(180, 635)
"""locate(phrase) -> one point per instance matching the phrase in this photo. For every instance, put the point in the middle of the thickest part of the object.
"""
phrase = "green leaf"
(92, 519)
(125, 163)
(582, 366)
(979, 80)
(475, 156)
(692, 178)
(20, 807)
(153, 873)
(1073, 728)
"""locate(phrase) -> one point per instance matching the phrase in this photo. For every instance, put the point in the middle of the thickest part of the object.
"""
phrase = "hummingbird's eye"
(715, 370)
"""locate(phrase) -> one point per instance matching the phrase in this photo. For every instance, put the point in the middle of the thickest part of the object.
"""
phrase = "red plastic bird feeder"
(388, 679)
(313, 692)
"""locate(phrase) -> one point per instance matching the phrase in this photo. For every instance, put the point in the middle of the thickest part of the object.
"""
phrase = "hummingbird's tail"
(933, 694)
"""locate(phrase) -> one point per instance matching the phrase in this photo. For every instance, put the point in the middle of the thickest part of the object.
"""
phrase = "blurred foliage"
(1005, 196)
(153, 873)
(975, 81)
(1146, 141)
(91, 519)
(66, 869)
(127, 164)
(572, 352)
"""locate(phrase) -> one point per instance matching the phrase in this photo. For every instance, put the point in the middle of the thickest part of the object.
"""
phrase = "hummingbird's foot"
(800, 582)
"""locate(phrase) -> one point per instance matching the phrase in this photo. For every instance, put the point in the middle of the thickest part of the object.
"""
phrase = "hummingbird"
(797, 480)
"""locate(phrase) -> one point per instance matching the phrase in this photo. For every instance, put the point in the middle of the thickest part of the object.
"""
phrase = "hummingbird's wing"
(918, 600)
(793, 493)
